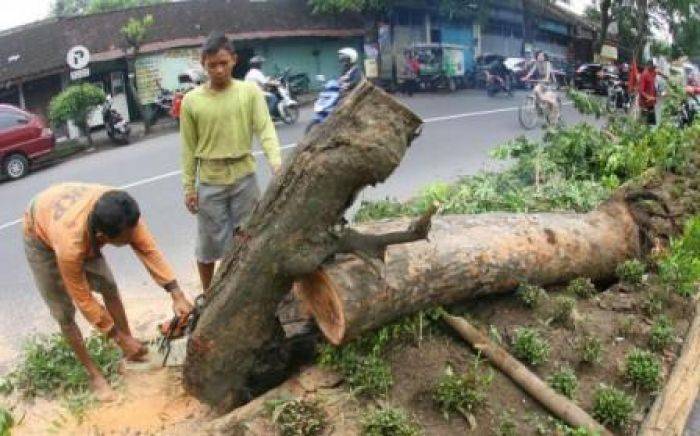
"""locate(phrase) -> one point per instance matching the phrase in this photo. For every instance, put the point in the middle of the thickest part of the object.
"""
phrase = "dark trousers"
(649, 116)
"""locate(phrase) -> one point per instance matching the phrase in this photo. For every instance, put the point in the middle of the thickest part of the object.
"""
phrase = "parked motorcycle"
(326, 102)
(689, 111)
(116, 126)
(287, 109)
(163, 103)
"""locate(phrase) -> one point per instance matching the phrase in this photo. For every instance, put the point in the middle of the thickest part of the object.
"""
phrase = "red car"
(24, 137)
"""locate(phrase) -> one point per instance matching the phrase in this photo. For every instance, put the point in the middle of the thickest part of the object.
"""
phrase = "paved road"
(460, 130)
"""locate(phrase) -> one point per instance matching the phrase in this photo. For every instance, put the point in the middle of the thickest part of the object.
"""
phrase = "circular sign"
(78, 57)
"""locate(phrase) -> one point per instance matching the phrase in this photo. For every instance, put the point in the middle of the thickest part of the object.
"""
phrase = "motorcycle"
(688, 112)
(618, 97)
(287, 109)
(163, 103)
(116, 126)
(325, 103)
(496, 84)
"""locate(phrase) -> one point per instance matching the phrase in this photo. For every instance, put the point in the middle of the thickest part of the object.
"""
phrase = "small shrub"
(590, 349)
(626, 326)
(563, 309)
(630, 271)
(612, 406)
(507, 425)
(389, 422)
(529, 346)
(297, 417)
(643, 369)
(662, 334)
(654, 302)
(582, 287)
(6, 422)
(562, 429)
(532, 296)
(461, 393)
(565, 382)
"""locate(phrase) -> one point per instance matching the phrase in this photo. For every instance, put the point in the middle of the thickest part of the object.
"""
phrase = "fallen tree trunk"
(466, 256)
(559, 405)
(670, 412)
(237, 349)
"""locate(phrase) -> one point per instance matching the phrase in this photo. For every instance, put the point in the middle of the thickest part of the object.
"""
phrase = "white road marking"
(288, 146)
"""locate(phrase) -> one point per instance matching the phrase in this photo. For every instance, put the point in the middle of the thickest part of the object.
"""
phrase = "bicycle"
(533, 110)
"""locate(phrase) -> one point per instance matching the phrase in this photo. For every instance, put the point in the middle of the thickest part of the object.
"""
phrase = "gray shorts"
(44, 266)
(222, 208)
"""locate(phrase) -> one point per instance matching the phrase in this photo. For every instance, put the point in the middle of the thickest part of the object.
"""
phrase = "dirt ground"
(153, 401)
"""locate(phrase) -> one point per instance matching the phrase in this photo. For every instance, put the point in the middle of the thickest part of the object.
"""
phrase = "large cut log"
(670, 412)
(559, 405)
(466, 256)
(236, 350)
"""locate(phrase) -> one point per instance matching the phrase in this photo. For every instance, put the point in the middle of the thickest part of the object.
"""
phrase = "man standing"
(647, 93)
(65, 228)
(218, 122)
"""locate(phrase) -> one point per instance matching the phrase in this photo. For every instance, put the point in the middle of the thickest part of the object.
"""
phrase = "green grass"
(6, 422)
(590, 349)
(462, 393)
(529, 346)
(562, 309)
(389, 421)
(680, 268)
(631, 271)
(532, 296)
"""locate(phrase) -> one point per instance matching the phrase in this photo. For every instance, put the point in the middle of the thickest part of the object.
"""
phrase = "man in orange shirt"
(647, 93)
(64, 229)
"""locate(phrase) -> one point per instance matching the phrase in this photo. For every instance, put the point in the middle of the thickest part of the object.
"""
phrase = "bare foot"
(102, 391)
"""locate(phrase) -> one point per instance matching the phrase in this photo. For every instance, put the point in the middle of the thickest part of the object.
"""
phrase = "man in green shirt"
(217, 124)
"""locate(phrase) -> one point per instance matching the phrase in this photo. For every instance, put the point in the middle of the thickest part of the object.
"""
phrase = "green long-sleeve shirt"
(217, 129)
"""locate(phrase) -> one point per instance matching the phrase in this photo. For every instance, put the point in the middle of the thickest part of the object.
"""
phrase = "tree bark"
(559, 405)
(237, 349)
(465, 257)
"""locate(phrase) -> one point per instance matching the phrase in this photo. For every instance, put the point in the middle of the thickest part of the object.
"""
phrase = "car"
(24, 137)
(593, 77)
(519, 67)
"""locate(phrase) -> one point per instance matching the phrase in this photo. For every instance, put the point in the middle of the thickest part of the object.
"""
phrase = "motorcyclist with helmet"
(256, 75)
(351, 73)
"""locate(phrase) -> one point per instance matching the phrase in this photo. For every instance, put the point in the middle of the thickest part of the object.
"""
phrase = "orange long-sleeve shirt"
(58, 217)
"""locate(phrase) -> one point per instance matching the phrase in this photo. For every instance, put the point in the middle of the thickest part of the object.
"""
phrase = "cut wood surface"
(559, 405)
(237, 350)
(670, 412)
(466, 256)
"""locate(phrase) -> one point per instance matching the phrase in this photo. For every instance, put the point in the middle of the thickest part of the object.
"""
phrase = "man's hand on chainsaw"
(181, 305)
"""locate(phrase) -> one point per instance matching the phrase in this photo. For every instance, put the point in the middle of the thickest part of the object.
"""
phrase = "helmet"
(348, 54)
(257, 60)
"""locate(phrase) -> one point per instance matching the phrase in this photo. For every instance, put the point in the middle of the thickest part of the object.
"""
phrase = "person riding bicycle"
(351, 73)
(542, 73)
(256, 75)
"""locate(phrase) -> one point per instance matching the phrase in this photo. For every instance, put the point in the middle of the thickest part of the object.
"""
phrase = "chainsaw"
(178, 327)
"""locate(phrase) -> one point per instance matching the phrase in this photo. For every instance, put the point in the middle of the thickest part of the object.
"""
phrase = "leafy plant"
(681, 266)
(75, 103)
(630, 271)
(662, 334)
(462, 393)
(562, 309)
(389, 421)
(590, 349)
(643, 369)
(582, 287)
(507, 425)
(612, 406)
(529, 346)
(626, 326)
(48, 366)
(565, 382)
(297, 417)
(531, 295)
(654, 302)
(6, 422)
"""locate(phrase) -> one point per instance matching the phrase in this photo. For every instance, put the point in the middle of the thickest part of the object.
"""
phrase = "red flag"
(633, 82)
